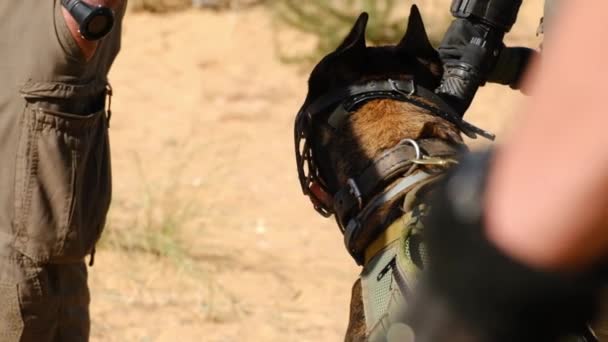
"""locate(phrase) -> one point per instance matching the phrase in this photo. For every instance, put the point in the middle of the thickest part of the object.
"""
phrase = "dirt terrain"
(209, 237)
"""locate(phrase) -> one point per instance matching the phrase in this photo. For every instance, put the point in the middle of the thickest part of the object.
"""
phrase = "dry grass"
(163, 6)
(153, 226)
(159, 6)
(326, 23)
(154, 223)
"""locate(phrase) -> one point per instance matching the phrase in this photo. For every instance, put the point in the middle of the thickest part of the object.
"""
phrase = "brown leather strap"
(393, 163)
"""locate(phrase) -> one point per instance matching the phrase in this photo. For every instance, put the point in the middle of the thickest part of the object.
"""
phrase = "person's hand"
(511, 67)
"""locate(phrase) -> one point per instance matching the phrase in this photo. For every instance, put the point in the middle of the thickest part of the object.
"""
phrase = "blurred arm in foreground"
(518, 237)
(556, 155)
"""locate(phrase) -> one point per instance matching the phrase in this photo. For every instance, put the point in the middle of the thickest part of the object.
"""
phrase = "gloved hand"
(511, 67)
(468, 52)
(473, 54)
(473, 292)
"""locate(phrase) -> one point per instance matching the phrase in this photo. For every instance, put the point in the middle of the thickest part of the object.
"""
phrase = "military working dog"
(371, 139)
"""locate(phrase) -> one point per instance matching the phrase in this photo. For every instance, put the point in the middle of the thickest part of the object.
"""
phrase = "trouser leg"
(42, 303)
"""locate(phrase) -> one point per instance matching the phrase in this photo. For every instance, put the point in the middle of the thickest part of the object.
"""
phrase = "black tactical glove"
(511, 67)
(467, 64)
(473, 292)
(462, 61)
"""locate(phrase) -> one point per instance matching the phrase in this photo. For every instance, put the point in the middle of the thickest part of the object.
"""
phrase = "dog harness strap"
(348, 98)
(394, 232)
(344, 94)
(359, 189)
(391, 164)
(353, 231)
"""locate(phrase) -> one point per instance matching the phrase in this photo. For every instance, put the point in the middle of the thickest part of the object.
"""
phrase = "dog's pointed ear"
(355, 40)
(416, 41)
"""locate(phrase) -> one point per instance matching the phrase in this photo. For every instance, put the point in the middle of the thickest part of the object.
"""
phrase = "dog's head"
(339, 154)
(353, 61)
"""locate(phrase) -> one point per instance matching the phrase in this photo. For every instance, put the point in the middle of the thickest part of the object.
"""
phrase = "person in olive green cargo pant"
(55, 180)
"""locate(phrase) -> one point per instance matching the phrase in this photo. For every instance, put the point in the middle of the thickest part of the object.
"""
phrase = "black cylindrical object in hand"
(94, 22)
(472, 45)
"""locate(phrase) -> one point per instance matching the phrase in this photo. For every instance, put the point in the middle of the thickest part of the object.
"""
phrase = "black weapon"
(472, 45)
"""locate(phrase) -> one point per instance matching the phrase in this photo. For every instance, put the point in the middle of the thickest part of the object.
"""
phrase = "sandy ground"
(209, 236)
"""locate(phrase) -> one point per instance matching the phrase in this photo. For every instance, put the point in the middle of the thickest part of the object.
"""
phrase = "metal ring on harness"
(414, 145)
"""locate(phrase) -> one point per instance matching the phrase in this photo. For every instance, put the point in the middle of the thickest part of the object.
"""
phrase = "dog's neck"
(376, 127)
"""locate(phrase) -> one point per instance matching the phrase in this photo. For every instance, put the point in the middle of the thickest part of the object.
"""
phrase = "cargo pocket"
(63, 183)
(11, 323)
